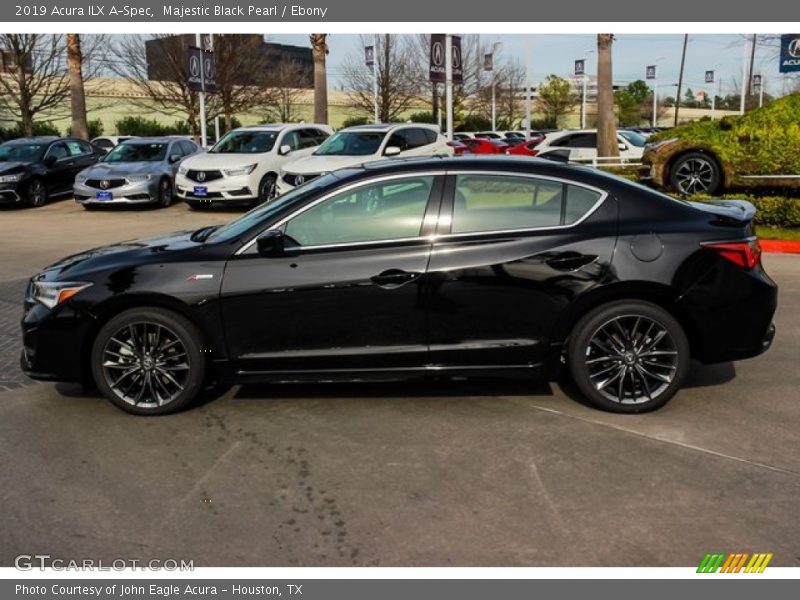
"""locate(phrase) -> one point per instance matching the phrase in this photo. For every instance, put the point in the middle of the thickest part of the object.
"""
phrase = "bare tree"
(38, 85)
(607, 144)
(319, 49)
(398, 89)
(283, 101)
(80, 125)
(170, 93)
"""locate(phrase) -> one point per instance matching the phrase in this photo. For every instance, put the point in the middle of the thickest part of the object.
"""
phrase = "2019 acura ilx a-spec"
(396, 269)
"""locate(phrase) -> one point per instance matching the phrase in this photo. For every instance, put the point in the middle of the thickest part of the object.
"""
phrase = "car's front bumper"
(240, 188)
(142, 192)
(11, 193)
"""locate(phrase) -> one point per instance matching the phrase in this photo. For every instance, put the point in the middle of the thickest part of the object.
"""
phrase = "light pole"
(715, 88)
(448, 82)
(375, 77)
(488, 65)
(654, 120)
(584, 79)
(203, 134)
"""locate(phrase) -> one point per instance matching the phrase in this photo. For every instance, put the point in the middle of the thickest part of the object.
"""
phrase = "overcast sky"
(556, 53)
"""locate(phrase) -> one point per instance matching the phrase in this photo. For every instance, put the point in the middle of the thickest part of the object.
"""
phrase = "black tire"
(164, 192)
(266, 188)
(633, 374)
(148, 361)
(695, 173)
(37, 193)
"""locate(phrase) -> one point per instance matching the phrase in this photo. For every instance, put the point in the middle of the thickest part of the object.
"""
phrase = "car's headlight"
(10, 178)
(137, 178)
(53, 293)
(80, 178)
(240, 171)
(183, 170)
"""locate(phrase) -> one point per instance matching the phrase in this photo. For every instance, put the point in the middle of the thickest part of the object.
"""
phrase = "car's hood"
(208, 161)
(12, 167)
(325, 164)
(107, 170)
(122, 254)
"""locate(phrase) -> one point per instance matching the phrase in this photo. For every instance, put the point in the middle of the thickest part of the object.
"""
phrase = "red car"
(527, 148)
(486, 146)
(458, 147)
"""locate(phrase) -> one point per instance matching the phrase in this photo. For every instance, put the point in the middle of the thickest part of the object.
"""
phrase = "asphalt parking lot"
(418, 474)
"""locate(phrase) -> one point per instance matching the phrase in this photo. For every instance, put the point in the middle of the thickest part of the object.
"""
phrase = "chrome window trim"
(436, 237)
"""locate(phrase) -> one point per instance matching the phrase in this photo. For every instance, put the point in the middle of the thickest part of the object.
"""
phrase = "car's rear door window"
(384, 210)
(484, 203)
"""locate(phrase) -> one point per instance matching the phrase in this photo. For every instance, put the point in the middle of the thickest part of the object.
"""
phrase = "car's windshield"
(245, 142)
(263, 212)
(137, 152)
(351, 143)
(24, 153)
(634, 138)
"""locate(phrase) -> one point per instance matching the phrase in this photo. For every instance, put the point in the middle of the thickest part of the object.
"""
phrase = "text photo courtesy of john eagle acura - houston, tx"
(399, 299)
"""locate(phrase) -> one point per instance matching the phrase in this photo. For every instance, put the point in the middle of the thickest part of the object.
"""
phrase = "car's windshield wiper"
(201, 234)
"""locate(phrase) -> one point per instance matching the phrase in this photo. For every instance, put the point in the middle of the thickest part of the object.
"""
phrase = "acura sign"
(201, 70)
(790, 53)
(437, 70)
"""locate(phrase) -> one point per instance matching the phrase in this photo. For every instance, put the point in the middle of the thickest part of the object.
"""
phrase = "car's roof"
(388, 126)
(37, 139)
(155, 139)
(276, 126)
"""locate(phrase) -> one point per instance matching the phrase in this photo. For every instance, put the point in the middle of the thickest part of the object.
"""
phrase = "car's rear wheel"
(695, 173)
(37, 193)
(628, 356)
(148, 361)
(164, 192)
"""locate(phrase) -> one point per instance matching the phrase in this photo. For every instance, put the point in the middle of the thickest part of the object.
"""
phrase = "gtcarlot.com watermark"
(30, 562)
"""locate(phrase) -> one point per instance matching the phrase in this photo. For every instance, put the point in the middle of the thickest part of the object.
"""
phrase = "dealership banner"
(154, 11)
(728, 587)
(790, 53)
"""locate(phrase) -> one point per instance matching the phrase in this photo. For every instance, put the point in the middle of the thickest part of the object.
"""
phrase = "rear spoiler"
(731, 211)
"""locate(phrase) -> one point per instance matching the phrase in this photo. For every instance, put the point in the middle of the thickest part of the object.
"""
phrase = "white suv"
(357, 145)
(244, 165)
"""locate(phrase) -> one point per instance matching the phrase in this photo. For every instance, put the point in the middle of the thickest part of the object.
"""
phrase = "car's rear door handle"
(393, 278)
(570, 261)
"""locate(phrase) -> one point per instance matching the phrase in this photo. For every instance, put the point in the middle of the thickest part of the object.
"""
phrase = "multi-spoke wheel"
(266, 189)
(164, 192)
(148, 361)
(628, 356)
(37, 193)
(695, 173)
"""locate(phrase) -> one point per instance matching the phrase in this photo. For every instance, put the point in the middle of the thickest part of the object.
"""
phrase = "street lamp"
(654, 120)
(716, 81)
(584, 77)
(488, 65)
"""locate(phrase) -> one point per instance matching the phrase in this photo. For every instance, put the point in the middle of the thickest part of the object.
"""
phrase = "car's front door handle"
(570, 261)
(393, 278)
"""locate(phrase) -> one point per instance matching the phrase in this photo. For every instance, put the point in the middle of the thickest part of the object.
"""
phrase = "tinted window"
(583, 140)
(417, 138)
(351, 143)
(292, 139)
(309, 138)
(399, 139)
(385, 210)
(499, 203)
(245, 142)
(58, 151)
(137, 152)
(104, 143)
(430, 135)
(20, 152)
(634, 138)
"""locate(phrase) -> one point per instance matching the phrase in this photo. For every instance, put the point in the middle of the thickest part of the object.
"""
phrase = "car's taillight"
(745, 254)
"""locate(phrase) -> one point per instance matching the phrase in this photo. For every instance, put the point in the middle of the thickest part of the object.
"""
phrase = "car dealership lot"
(428, 474)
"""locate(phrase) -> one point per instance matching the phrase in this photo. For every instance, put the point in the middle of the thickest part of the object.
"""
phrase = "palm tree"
(80, 127)
(607, 144)
(319, 48)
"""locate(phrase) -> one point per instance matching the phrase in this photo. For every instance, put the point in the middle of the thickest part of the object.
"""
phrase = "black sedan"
(448, 266)
(32, 170)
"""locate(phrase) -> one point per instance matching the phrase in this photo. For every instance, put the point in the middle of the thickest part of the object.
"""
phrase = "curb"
(780, 246)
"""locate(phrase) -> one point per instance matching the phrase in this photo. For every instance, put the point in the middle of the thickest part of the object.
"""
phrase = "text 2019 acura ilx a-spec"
(448, 266)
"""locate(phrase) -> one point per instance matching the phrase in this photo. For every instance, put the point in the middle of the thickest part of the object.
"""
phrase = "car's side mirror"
(391, 151)
(284, 150)
(50, 161)
(272, 243)
(622, 146)
(173, 158)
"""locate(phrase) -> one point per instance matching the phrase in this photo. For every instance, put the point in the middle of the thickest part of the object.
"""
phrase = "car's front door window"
(384, 210)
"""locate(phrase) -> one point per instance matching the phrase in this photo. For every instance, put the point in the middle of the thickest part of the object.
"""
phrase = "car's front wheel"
(37, 193)
(628, 356)
(164, 193)
(695, 173)
(266, 189)
(148, 361)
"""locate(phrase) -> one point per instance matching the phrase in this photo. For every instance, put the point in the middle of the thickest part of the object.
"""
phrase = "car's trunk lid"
(728, 212)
